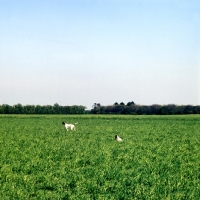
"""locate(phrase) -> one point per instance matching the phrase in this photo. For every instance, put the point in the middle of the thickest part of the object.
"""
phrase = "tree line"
(117, 108)
(132, 108)
(47, 109)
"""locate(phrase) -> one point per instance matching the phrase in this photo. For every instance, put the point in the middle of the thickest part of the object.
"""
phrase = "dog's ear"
(63, 123)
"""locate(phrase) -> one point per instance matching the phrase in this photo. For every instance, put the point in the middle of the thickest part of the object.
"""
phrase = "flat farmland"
(159, 157)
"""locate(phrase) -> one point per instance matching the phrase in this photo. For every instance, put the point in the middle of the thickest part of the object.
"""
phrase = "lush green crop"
(158, 158)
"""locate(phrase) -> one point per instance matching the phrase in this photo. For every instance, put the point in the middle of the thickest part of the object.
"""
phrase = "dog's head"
(116, 136)
(63, 123)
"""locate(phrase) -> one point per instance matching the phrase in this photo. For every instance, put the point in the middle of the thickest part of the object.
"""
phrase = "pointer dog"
(118, 138)
(71, 126)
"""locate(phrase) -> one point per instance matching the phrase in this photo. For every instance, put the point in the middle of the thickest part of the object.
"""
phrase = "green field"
(159, 157)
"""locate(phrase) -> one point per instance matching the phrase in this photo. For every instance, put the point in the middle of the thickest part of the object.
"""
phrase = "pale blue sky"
(80, 52)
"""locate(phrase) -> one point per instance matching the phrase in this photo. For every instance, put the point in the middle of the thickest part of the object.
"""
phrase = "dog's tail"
(76, 123)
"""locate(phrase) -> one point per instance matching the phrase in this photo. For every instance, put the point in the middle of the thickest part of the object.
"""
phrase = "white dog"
(118, 138)
(71, 126)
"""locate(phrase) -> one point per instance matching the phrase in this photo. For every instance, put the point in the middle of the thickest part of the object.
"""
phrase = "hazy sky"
(80, 52)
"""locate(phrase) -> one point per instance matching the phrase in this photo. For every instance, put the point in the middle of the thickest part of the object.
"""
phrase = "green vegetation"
(155, 109)
(130, 108)
(158, 158)
(47, 109)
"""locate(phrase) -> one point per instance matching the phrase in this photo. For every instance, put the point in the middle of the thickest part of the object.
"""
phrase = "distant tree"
(188, 109)
(171, 109)
(1, 110)
(81, 109)
(18, 109)
(108, 109)
(115, 104)
(38, 109)
(56, 109)
(122, 104)
(178, 109)
(102, 110)
(96, 105)
(167, 109)
(65, 110)
(146, 110)
(8, 109)
(140, 110)
(132, 110)
(95, 111)
(48, 109)
(154, 109)
(118, 109)
(196, 109)
(130, 103)
(29, 109)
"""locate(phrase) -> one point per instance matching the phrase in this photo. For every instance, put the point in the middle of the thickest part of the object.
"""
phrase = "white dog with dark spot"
(69, 126)
(118, 138)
